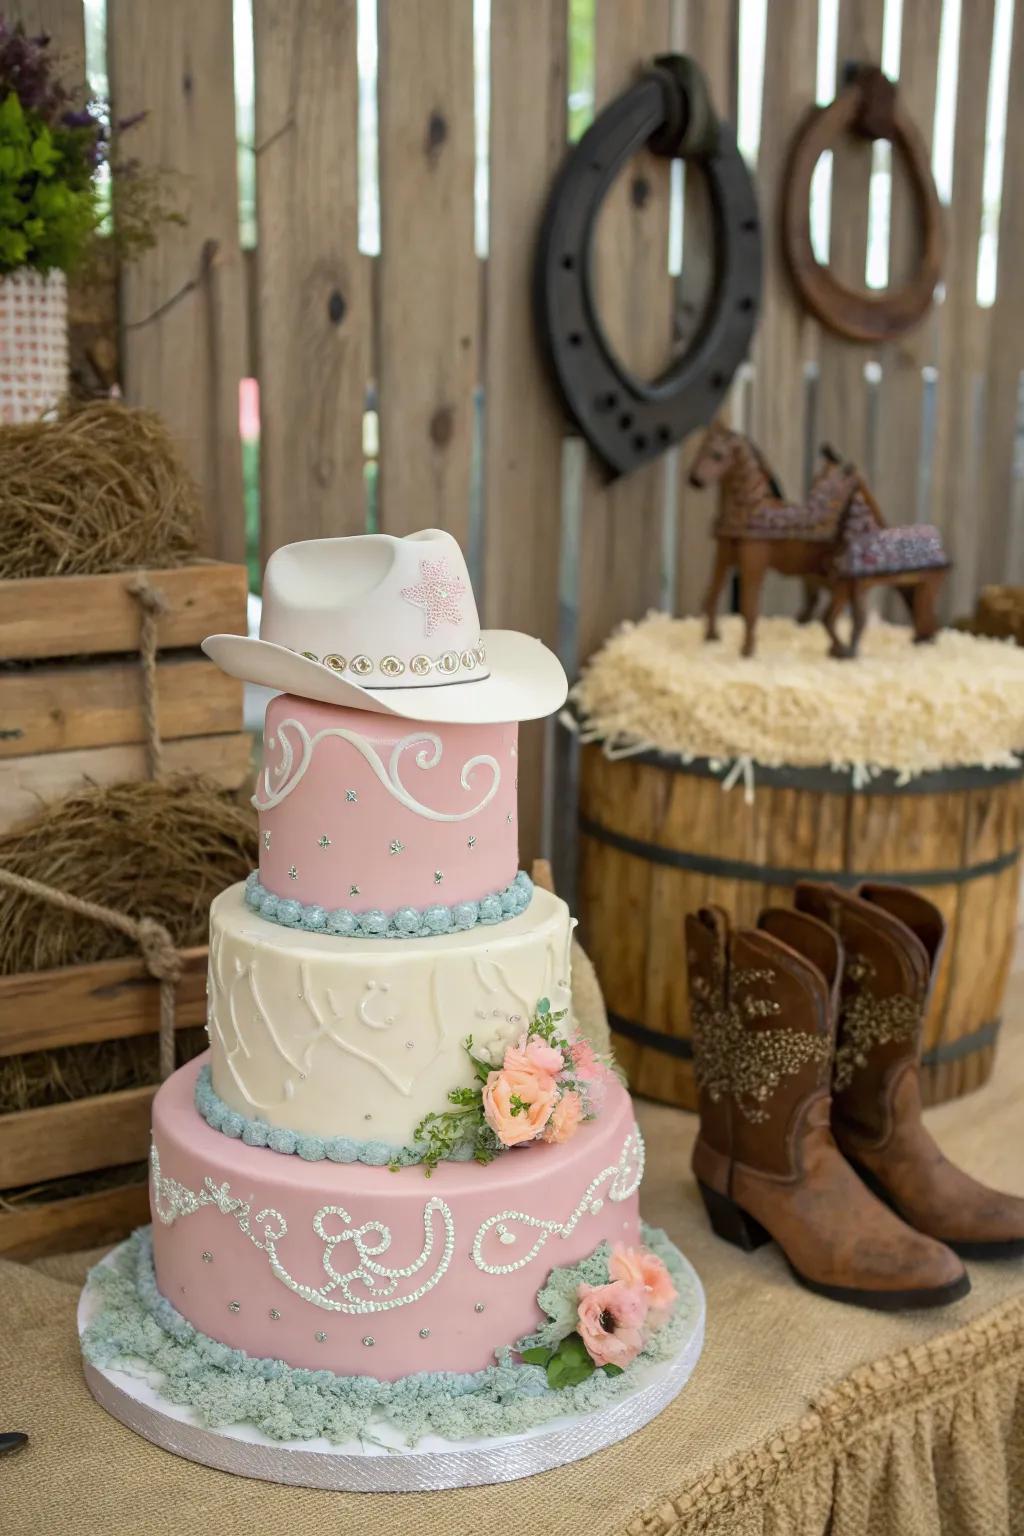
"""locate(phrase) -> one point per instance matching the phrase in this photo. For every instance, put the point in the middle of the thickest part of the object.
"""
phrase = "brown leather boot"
(893, 938)
(763, 1006)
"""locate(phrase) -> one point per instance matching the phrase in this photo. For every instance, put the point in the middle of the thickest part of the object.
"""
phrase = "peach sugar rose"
(518, 1104)
(610, 1322)
(532, 1054)
(644, 1271)
(565, 1118)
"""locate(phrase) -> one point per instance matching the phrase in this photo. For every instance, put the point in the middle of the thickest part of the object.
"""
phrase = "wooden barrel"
(660, 837)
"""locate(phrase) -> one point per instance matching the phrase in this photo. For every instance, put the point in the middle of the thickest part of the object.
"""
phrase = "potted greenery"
(52, 203)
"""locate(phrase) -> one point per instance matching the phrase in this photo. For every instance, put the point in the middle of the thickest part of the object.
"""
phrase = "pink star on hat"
(437, 593)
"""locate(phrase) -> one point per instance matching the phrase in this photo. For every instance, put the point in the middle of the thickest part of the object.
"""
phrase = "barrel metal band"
(770, 874)
(681, 1047)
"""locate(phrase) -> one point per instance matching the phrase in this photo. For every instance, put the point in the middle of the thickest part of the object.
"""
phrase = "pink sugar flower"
(532, 1054)
(518, 1105)
(565, 1118)
(638, 1268)
(610, 1322)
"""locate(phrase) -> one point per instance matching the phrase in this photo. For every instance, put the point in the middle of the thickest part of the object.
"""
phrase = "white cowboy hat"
(389, 625)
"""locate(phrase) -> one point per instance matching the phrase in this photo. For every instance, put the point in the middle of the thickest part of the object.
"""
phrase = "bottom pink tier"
(362, 1271)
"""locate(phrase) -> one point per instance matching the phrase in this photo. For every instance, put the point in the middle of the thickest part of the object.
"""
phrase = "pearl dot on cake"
(368, 1340)
(234, 1306)
(470, 842)
(424, 1333)
(274, 1315)
(438, 876)
(478, 1306)
(324, 841)
(506, 1237)
(320, 1336)
(351, 796)
(293, 873)
(396, 846)
(207, 1256)
(266, 839)
(353, 890)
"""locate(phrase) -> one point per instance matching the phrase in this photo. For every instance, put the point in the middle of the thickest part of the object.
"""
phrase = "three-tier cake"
(398, 1196)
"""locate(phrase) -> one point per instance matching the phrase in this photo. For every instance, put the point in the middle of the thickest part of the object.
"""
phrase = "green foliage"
(48, 208)
(568, 1363)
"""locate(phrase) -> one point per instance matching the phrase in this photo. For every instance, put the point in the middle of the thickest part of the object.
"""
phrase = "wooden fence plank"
(901, 387)
(842, 391)
(708, 31)
(92, 615)
(63, 21)
(524, 431)
(954, 482)
(183, 312)
(51, 1143)
(314, 293)
(786, 335)
(620, 555)
(107, 1000)
(1000, 539)
(428, 271)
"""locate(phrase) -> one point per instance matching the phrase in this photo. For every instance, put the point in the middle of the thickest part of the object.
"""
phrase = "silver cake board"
(383, 1462)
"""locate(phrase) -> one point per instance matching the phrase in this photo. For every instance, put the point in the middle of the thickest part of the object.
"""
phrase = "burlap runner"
(803, 1418)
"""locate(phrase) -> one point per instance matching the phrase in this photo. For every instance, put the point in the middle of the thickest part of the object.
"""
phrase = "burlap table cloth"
(804, 1418)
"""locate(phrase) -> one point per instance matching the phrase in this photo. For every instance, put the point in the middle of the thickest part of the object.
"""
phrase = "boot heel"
(730, 1222)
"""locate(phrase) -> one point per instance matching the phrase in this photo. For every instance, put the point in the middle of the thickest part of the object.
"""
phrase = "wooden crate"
(71, 706)
(81, 1005)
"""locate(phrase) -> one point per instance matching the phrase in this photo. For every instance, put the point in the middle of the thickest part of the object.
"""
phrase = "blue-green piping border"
(404, 923)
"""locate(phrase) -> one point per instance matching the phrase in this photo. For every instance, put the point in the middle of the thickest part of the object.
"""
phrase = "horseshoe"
(867, 106)
(628, 420)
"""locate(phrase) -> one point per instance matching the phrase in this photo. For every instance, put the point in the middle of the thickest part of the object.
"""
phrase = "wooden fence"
(438, 339)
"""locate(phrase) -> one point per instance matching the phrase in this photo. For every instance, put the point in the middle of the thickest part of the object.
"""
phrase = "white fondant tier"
(329, 1036)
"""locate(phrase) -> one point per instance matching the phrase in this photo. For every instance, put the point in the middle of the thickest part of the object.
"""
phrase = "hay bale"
(900, 706)
(102, 488)
(161, 850)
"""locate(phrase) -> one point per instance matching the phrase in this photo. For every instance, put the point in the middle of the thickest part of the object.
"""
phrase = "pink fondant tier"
(259, 1250)
(367, 811)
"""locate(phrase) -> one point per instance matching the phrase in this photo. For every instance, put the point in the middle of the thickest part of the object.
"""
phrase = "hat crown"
(383, 611)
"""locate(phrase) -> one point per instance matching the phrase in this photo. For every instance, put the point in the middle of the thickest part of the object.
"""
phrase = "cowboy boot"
(893, 938)
(763, 1007)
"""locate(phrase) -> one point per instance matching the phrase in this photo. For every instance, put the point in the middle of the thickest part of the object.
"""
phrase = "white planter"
(33, 343)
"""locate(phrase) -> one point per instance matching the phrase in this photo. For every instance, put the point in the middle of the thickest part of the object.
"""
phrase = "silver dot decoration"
(275, 1315)
(335, 662)
(506, 1237)
(266, 839)
(368, 1340)
(353, 890)
(420, 664)
(234, 1306)
(396, 846)
(479, 1306)
(293, 873)
(508, 817)
(362, 666)
(470, 842)
(351, 796)
(438, 876)
(207, 1256)
(367, 1117)
(324, 842)
(424, 1333)
(410, 1045)
(392, 666)
(320, 1336)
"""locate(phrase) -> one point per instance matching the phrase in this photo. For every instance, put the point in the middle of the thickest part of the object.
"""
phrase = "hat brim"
(526, 681)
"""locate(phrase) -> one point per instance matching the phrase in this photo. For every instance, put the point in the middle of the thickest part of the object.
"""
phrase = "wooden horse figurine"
(758, 530)
(865, 555)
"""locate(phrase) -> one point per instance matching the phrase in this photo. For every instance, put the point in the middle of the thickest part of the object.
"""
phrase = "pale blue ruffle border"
(406, 923)
(314, 1149)
(136, 1324)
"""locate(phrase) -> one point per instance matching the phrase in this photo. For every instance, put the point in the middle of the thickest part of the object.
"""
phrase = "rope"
(152, 604)
(156, 946)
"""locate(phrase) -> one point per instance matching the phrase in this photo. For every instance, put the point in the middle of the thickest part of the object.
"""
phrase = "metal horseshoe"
(628, 420)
